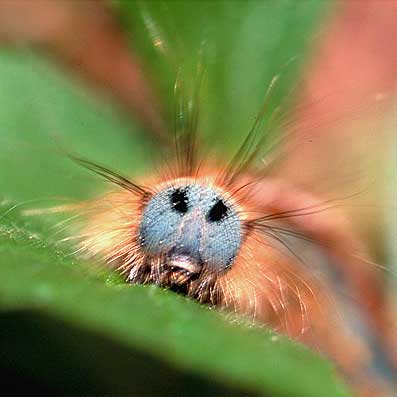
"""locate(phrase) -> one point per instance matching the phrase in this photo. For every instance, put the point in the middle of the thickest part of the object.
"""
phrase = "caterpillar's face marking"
(193, 226)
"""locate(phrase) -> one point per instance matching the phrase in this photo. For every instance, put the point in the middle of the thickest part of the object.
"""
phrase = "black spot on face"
(218, 211)
(179, 201)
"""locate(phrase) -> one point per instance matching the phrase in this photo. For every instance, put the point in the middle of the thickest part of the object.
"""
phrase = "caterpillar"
(220, 232)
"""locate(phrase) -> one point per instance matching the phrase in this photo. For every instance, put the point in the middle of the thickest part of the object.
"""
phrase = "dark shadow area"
(44, 356)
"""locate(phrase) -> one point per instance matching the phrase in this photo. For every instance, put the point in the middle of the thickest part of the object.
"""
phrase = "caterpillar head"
(192, 227)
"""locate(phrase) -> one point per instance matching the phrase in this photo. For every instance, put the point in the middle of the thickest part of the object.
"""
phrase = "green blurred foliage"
(43, 113)
(241, 45)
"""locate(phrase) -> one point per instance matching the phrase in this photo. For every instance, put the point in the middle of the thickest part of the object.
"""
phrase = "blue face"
(193, 226)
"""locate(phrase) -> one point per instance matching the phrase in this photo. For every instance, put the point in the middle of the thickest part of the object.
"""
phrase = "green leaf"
(69, 324)
(36, 275)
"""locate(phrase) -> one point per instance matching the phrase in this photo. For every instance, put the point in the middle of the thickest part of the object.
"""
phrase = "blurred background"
(97, 77)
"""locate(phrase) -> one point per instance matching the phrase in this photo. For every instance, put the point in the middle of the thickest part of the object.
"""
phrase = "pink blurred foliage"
(348, 94)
